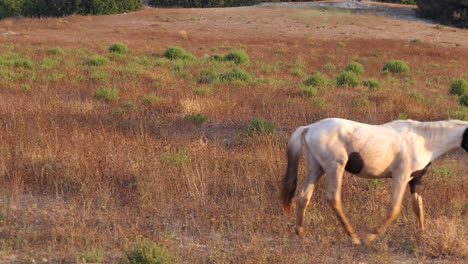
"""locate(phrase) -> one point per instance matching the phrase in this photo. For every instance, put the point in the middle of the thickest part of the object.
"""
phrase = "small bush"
(309, 91)
(372, 184)
(124, 108)
(56, 51)
(359, 102)
(146, 252)
(315, 80)
(459, 87)
(24, 63)
(107, 94)
(96, 60)
(395, 66)
(196, 117)
(174, 53)
(233, 76)
(259, 126)
(329, 67)
(202, 90)
(347, 78)
(237, 56)
(118, 48)
(151, 100)
(372, 84)
(216, 57)
(356, 68)
(463, 100)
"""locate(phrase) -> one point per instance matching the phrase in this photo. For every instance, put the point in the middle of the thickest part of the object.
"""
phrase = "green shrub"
(123, 108)
(118, 48)
(9, 8)
(449, 12)
(329, 67)
(235, 75)
(237, 56)
(359, 102)
(347, 78)
(174, 53)
(459, 87)
(372, 184)
(216, 57)
(309, 91)
(202, 90)
(315, 80)
(259, 126)
(151, 100)
(463, 100)
(146, 252)
(372, 84)
(395, 66)
(356, 68)
(96, 60)
(56, 51)
(196, 117)
(24, 63)
(107, 94)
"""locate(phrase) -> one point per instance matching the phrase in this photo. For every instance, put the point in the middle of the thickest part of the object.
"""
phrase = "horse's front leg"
(399, 183)
(334, 181)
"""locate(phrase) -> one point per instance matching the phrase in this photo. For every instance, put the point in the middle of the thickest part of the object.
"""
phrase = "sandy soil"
(405, 12)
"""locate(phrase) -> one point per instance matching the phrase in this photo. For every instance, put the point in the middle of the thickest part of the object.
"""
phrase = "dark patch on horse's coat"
(417, 179)
(464, 143)
(355, 163)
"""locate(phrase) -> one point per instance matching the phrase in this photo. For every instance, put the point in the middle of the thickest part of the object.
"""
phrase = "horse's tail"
(289, 182)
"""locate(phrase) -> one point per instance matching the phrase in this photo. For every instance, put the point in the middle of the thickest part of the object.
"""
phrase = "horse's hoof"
(370, 238)
(300, 233)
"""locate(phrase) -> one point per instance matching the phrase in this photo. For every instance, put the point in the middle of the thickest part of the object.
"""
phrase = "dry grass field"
(95, 159)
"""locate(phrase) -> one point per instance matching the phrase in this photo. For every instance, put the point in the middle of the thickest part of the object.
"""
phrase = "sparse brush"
(261, 126)
(347, 78)
(56, 51)
(237, 56)
(445, 237)
(107, 94)
(372, 84)
(174, 53)
(147, 252)
(309, 91)
(235, 75)
(459, 87)
(96, 60)
(356, 68)
(395, 66)
(123, 108)
(118, 48)
(315, 80)
(196, 117)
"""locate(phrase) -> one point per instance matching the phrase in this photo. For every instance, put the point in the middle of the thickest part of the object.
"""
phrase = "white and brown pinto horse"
(401, 150)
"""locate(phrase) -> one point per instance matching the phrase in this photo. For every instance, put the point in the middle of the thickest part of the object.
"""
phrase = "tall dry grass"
(78, 176)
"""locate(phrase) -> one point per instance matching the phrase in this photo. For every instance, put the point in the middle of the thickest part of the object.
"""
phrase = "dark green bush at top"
(395, 66)
(459, 87)
(96, 60)
(42, 8)
(449, 12)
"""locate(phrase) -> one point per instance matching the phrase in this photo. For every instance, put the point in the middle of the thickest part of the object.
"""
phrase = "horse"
(401, 150)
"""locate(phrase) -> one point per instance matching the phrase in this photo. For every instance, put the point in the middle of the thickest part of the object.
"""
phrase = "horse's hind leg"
(313, 175)
(417, 201)
(334, 181)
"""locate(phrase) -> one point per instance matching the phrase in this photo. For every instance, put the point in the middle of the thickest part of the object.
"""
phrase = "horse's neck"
(441, 137)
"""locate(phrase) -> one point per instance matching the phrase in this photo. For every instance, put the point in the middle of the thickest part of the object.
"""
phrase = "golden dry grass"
(76, 176)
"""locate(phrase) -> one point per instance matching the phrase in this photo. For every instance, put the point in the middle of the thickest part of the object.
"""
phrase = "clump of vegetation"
(315, 80)
(356, 68)
(329, 67)
(347, 78)
(202, 90)
(309, 91)
(237, 56)
(372, 184)
(463, 100)
(174, 53)
(372, 84)
(107, 94)
(151, 100)
(235, 75)
(124, 108)
(24, 63)
(96, 60)
(395, 66)
(216, 57)
(458, 87)
(261, 126)
(196, 117)
(119, 48)
(146, 252)
(56, 51)
(359, 102)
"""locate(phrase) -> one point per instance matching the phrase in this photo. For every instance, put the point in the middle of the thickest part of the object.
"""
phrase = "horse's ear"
(464, 143)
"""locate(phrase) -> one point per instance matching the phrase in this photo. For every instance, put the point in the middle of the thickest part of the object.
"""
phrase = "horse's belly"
(365, 167)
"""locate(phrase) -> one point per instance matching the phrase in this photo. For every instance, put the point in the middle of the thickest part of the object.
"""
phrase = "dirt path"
(405, 12)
